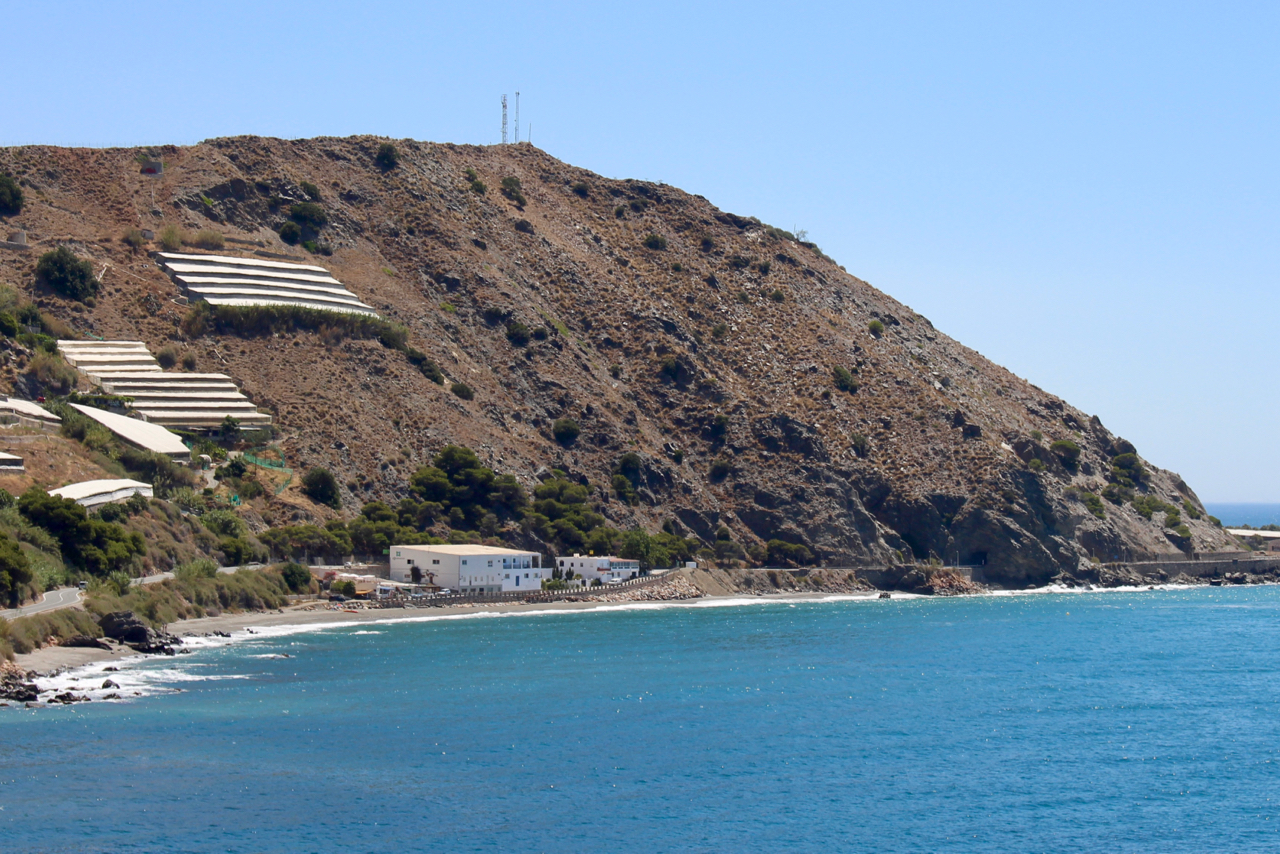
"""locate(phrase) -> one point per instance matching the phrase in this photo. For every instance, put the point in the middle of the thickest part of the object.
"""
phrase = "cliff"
(709, 344)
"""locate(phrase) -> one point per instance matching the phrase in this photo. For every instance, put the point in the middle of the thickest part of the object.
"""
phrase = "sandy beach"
(54, 659)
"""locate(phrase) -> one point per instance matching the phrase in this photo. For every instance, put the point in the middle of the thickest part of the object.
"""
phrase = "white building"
(604, 568)
(468, 569)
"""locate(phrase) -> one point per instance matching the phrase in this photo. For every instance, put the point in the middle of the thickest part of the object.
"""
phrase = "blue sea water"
(1255, 515)
(1131, 721)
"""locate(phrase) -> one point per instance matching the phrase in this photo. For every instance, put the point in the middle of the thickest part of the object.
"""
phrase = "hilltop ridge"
(766, 391)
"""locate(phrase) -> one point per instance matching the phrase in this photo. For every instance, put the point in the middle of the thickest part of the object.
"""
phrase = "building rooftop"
(150, 437)
(90, 488)
(27, 407)
(468, 550)
(1245, 532)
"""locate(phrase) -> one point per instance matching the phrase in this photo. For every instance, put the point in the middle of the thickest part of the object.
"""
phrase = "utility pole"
(517, 118)
(504, 119)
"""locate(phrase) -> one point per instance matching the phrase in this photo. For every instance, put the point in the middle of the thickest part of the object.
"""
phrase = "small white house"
(607, 568)
(92, 494)
(468, 569)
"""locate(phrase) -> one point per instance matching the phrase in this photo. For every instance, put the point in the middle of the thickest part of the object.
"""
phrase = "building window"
(435, 563)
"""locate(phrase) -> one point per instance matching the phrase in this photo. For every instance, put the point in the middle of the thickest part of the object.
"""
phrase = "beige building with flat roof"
(467, 568)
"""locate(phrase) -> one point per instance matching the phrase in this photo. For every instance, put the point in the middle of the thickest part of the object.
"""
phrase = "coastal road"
(165, 576)
(63, 597)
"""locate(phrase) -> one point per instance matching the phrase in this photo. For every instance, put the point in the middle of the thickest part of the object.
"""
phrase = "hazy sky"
(1086, 194)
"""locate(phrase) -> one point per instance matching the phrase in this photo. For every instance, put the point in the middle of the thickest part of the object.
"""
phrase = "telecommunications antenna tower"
(517, 118)
(504, 119)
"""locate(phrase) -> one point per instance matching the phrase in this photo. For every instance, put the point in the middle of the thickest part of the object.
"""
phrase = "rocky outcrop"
(128, 628)
(16, 684)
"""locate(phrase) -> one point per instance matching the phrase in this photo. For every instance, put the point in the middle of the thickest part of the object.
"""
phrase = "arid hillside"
(765, 390)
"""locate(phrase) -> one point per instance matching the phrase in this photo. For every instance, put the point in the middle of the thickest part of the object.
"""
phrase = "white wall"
(476, 572)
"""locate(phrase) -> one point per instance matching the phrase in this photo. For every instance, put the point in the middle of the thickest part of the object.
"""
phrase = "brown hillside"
(930, 454)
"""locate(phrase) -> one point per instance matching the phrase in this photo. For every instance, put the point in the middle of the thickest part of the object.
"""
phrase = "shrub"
(170, 238)
(1172, 519)
(1183, 531)
(66, 274)
(133, 239)
(512, 190)
(788, 554)
(566, 431)
(10, 196)
(581, 189)
(764, 267)
(1067, 451)
(876, 328)
(387, 158)
(208, 239)
(1036, 435)
(309, 214)
(1035, 465)
(524, 226)
(167, 356)
(738, 262)
(517, 333)
(1094, 503)
(777, 295)
(321, 486)
(290, 233)
(655, 242)
(463, 391)
(720, 469)
(860, 444)
(541, 333)
(720, 330)
(189, 361)
(843, 379)
(195, 570)
(615, 371)
(620, 211)
(670, 368)
(297, 576)
(312, 191)
(52, 373)
(719, 425)
(707, 244)
(478, 187)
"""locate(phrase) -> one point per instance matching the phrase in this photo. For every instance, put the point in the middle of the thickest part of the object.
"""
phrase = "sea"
(1118, 721)
(1255, 515)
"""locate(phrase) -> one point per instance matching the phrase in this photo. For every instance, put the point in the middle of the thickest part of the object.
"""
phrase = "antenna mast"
(504, 119)
(517, 117)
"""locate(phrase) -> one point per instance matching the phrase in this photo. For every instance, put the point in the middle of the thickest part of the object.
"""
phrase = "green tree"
(387, 158)
(297, 576)
(15, 572)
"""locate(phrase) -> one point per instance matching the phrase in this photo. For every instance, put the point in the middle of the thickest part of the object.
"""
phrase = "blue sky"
(1086, 194)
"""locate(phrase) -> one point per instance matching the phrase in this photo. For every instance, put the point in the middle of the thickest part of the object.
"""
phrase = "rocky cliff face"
(705, 342)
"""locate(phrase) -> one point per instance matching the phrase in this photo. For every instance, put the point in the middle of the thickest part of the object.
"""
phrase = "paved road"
(165, 576)
(64, 597)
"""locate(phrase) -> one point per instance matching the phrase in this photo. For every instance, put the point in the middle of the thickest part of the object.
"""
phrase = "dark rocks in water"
(886, 595)
(13, 686)
(112, 696)
(111, 670)
(66, 699)
(109, 684)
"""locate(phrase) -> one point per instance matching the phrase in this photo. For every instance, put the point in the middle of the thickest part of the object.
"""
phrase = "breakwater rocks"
(674, 588)
(1207, 572)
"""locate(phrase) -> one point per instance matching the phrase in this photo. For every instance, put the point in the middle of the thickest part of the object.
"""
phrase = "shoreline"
(55, 660)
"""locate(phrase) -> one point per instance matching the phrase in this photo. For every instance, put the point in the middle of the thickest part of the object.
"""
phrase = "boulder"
(127, 627)
(87, 642)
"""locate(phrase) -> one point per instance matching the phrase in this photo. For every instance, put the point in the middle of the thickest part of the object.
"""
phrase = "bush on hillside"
(309, 215)
(170, 238)
(208, 239)
(566, 431)
(133, 239)
(655, 242)
(1067, 451)
(387, 158)
(312, 191)
(92, 545)
(290, 233)
(876, 328)
(843, 379)
(321, 486)
(167, 356)
(63, 272)
(10, 196)
(581, 189)
(517, 333)
(463, 391)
